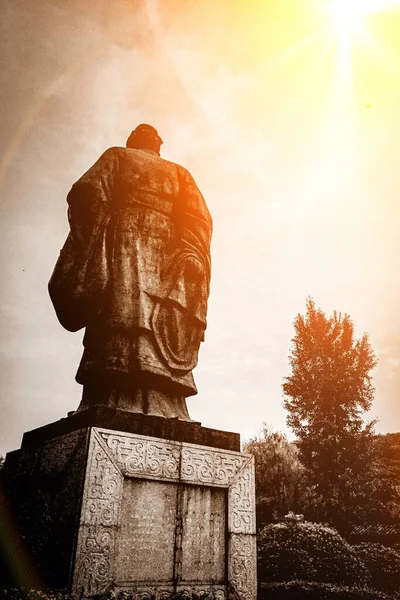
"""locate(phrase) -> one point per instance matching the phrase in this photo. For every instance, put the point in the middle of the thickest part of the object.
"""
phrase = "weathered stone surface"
(42, 492)
(105, 509)
(212, 526)
(152, 549)
(146, 544)
(204, 533)
(135, 272)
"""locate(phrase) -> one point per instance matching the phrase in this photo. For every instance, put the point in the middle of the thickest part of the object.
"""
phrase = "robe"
(135, 270)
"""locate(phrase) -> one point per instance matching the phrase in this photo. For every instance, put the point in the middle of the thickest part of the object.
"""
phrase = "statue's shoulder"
(182, 173)
(128, 153)
(142, 155)
(122, 154)
(112, 151)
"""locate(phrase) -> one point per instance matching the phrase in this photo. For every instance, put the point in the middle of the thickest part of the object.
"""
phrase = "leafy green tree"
(281, 484)
(326, 396)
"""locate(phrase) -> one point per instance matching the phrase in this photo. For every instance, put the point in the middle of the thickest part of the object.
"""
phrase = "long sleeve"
(81, 272)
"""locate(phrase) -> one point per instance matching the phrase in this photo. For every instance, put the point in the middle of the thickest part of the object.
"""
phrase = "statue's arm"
(81, 271)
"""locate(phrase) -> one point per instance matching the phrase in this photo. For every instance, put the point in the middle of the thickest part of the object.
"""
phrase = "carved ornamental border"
(113, 456)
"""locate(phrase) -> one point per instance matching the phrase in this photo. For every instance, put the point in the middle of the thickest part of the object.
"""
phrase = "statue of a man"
(135, 272)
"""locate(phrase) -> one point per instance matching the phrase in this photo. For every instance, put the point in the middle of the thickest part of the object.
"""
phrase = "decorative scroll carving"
(208, 466)
(206, 591)
(153, 592)
(242, 566)
(139, 456)
(148, 592)
(113, 456)
(99, 519)
(242, 501)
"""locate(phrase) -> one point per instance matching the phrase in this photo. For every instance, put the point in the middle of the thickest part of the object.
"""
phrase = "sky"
(286, 114)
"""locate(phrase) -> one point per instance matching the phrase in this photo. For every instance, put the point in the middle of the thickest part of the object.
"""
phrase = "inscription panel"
(204, 528)
(146, 540)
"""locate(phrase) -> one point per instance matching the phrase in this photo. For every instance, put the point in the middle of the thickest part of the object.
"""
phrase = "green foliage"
(302, 590)
(308, 552)
(383, 565)
(326, 396)
(280, 477)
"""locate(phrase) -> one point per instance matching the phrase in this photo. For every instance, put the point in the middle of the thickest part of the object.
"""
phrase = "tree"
(387, 474)
(280, 477)
(326, 396)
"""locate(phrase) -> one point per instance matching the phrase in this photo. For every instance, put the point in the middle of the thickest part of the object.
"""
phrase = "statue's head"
(144, 137)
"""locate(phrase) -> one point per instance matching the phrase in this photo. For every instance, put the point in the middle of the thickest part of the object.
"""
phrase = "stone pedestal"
(104, 509)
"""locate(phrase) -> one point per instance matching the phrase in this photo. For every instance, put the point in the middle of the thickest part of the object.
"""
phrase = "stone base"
(102, 509)
(122, 420)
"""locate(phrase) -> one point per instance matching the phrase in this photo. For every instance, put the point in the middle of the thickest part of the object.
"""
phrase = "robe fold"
(135, 270)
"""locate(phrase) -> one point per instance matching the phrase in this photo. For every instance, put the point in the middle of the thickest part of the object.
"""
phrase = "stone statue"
(135, 272)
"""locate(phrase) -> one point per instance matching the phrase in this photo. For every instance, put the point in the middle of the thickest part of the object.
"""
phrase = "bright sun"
(347, 15)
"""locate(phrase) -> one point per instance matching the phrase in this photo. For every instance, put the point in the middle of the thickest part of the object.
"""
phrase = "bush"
(303, 590)
(293, 550)
(396, 548)
(383, 565)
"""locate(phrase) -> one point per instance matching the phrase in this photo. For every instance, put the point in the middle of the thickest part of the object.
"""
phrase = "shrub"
(383, 565)
(304, 590)
(396, 548)
(309, 552)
